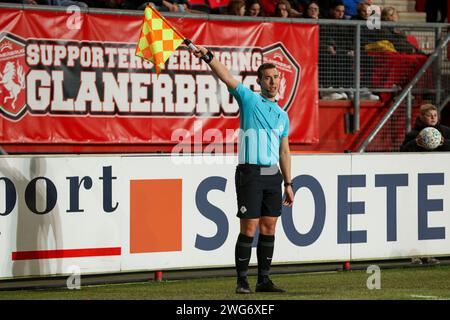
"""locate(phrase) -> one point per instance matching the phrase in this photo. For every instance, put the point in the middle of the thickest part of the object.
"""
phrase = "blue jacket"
(350, 7)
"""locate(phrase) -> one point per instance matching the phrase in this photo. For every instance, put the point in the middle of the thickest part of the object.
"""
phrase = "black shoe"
(243, 287)
(430, 261)
(268, 286)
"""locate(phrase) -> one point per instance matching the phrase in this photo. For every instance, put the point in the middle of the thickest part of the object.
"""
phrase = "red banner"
(73, 78)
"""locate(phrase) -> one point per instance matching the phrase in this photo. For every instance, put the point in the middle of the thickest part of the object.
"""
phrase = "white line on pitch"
(424, 297)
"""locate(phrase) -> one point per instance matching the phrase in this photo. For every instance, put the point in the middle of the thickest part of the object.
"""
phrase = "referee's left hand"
(288, 196)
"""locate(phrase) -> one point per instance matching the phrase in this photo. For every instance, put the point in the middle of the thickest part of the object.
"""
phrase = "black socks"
(242, 254)
(264, 252)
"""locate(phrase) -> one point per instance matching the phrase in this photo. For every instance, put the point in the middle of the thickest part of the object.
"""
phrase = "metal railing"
(384, 75)
(407, 93)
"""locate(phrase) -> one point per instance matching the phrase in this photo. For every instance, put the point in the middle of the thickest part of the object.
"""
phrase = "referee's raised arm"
(216, 66)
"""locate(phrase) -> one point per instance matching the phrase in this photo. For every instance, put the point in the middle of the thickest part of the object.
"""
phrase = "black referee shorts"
(258, 190)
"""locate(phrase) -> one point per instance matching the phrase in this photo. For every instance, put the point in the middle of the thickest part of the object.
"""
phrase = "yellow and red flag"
(158, 39)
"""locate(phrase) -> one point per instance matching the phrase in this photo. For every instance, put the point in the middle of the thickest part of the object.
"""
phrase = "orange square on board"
(155, 215)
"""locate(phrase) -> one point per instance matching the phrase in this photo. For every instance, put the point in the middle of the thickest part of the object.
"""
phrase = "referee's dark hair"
(265, 66)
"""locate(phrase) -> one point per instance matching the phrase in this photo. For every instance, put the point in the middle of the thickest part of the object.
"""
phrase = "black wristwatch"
(207, 57)
(288, 184)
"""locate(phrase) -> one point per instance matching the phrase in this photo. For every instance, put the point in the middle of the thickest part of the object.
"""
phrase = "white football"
(431, 137)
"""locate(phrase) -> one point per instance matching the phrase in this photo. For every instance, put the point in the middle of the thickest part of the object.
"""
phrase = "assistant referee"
(263, 143)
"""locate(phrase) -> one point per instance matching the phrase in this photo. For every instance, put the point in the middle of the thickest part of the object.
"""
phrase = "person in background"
(236, 8)
(428, 117)
(389, 14)
(336, 10)
(254, 9)
(367, 36)
(396, 36)
(283, 9)
(336, 55)
(362, 11)
(312, 10)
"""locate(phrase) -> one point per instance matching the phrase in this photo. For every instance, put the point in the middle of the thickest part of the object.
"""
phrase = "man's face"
(313, 11)
(430, 118)
(364, 11)
(254, 9)
(269, 82)
(338, 12)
